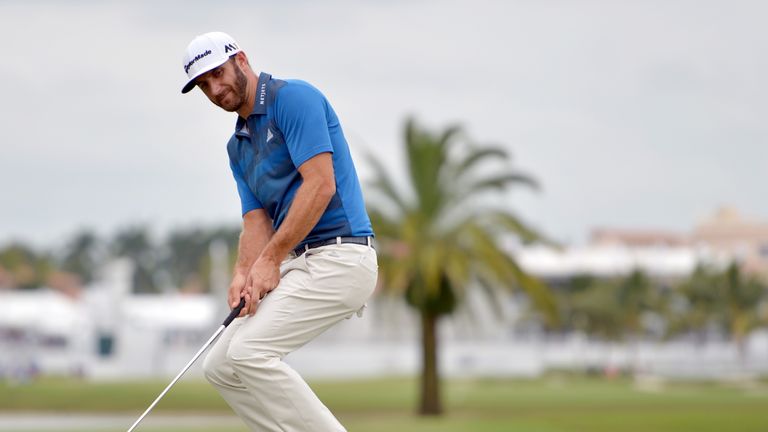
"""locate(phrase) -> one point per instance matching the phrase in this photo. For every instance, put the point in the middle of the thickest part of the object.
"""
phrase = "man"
(305, 259)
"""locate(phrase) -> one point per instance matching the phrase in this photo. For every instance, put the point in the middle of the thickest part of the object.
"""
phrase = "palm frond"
(383, 225)
(510, 223)
(448, 135)
(384, 184)
(503, 266)
(500, 182)
(478, 156)
(492, 294)
(457, 265)
(471, 190)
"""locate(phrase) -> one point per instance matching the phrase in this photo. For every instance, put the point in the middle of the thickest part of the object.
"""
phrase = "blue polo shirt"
(291, 122)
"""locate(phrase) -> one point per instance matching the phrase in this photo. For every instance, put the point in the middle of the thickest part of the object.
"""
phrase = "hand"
(262, 278)
(236, 288)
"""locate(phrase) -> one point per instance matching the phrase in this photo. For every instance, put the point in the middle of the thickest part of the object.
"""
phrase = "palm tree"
(439, 237)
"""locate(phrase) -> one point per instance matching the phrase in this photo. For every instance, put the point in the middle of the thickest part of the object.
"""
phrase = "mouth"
(221, 99)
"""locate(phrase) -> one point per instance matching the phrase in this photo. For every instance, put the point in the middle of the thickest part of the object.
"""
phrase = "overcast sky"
(644, 114)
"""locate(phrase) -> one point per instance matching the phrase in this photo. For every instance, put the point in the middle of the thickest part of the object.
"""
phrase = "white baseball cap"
(205, 52)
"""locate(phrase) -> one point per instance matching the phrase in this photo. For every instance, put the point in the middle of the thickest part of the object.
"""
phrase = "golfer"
(305, 259)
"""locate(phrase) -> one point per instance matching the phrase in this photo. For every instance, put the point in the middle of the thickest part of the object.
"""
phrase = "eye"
(216, 72)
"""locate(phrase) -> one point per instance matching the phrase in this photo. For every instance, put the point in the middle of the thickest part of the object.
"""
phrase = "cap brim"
(191, 83)
(189, 86)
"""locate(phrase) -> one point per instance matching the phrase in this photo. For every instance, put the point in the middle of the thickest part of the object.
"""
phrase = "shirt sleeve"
(248, 200)
(302, 116)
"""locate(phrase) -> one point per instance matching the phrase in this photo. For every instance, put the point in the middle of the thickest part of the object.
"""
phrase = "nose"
(216, 88)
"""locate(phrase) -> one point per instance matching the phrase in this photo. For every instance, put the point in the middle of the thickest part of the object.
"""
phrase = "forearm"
(256, 233)
(308, 205)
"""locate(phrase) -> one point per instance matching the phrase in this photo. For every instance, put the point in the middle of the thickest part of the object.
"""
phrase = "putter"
(232, 315)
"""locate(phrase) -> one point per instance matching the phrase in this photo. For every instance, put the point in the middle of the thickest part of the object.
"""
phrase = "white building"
(109, 333)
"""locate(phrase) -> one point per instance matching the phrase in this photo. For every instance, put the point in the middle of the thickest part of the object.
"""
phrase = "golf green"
(553, 404)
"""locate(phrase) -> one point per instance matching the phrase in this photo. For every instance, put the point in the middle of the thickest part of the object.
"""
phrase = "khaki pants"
(316, 290)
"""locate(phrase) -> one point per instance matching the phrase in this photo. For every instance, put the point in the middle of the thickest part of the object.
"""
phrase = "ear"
(242, 60)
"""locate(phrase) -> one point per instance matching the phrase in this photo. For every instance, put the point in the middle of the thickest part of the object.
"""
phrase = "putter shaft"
(235, 312)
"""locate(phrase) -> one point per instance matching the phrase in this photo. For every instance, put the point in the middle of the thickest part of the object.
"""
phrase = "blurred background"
(568, 198)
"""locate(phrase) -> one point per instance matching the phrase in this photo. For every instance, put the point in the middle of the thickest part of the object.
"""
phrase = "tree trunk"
(741, 349)
(430, 381)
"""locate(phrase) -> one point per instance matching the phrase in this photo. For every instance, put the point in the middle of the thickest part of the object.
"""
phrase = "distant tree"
(438, 238)
(81, 256)
(188, 258)
(594, 310)
(623, 308)
(695, 305)
(25, 267)
(727, 300)
(186, 251)
(638, 298)
(181, 261)
(742, 295)
(135, 244)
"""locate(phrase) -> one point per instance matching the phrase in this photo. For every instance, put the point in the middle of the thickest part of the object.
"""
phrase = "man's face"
(224, 85)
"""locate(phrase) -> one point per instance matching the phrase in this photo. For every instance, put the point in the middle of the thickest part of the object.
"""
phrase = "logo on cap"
(195, 59)
(230, 47)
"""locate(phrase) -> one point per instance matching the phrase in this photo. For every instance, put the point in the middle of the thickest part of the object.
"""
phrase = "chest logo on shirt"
(270, 135)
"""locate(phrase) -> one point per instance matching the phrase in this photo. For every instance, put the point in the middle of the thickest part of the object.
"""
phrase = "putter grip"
(235, 312)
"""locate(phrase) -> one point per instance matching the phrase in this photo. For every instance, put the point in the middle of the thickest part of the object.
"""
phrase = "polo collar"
(260, 103)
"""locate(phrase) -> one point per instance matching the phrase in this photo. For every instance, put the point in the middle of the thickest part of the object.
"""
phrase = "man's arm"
(256, 232)
(312, 197)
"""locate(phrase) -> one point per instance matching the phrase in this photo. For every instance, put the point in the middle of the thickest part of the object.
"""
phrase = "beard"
(237, 93)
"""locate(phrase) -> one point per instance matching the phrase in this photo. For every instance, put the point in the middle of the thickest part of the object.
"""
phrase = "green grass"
(555, 404)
